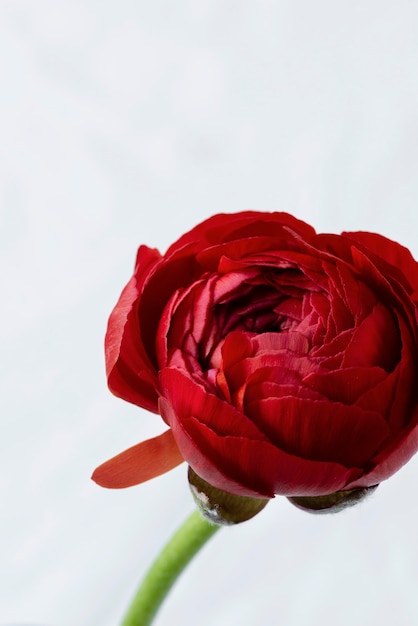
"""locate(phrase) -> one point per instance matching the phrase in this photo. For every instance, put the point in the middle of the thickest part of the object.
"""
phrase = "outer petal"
(320, 430)
(130, 373)
(392, 458)
(226, 449)
(225, 227)
(140, 463)
(402, 262)
(263, 469)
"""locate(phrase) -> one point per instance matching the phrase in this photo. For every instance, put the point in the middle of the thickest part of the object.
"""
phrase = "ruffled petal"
(320, 430)
(130, 373)
(256, 468)
(394, 456)
(229, 451)
(376, 341)
(403, 265)
(346, 385)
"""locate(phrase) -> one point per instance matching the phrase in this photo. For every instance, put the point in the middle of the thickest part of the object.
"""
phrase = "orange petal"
(140, 463)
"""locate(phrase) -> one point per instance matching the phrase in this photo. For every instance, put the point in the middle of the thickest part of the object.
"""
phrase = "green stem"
(168, 566)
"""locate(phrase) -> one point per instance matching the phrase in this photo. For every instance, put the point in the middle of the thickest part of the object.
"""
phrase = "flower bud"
(332, 503)
(220, 507)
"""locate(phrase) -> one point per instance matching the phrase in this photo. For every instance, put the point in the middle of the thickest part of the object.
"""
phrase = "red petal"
(320, 430)
(405, 381)
(375, 341)
(348, 384)
(140, 463)
(225, 227)
(130, 374)
(257, 468)
(402, 261)
(392, 458)
(225, 448)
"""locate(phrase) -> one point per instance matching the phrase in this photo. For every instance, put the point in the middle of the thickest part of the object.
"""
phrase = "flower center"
(251, 301)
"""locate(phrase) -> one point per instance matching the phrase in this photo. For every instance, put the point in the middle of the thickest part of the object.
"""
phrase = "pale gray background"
(128, 122)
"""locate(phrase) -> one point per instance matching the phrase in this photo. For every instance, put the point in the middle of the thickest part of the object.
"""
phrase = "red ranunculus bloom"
(283, 361)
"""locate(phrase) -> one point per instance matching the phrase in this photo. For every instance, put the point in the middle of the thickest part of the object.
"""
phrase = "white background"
(129, 122)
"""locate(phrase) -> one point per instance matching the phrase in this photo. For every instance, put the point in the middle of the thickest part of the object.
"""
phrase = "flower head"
(282, 361)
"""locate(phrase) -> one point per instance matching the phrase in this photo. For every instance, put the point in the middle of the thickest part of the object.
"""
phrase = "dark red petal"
(405, 383)
(336, 345)
(237, 346)
(225, 448)
(261, 468)
(256, 223)
(320, 430)
(403, 263)
(341, 316)
(173, 273)
(392, 457)
(388, 290)
(380, 399)
(130, 373)
(204, 463)
(375, 342)
(346, 385)
(236, 255)
(189, 398)
(357, 296)
(140, 463)
(146, 259)
(225, 227)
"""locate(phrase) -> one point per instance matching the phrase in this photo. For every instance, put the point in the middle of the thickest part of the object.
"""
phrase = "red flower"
(283, 361)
